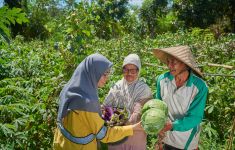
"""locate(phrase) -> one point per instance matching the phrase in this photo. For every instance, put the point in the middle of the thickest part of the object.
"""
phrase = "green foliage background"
(40, 59)
(33, 73)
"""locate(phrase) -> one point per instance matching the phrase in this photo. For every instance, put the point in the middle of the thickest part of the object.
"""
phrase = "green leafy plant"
(8, 17)
(32, 75)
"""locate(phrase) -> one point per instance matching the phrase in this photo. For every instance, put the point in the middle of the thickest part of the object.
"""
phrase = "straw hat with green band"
(182, 53)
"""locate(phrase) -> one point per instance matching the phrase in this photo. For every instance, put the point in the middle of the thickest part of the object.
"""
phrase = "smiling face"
(130, 72)
(175, 66)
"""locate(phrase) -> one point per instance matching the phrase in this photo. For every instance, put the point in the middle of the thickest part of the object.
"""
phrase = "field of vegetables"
(33, 73)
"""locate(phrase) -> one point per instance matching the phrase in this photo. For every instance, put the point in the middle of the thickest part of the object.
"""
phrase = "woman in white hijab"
(130, 93)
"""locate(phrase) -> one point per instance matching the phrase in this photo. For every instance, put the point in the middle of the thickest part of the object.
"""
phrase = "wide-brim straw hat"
(182, 53)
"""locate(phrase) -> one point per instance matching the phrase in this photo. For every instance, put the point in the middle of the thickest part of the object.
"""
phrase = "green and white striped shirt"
(185, 109)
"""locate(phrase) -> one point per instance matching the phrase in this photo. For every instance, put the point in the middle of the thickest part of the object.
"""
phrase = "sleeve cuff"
(174, 124)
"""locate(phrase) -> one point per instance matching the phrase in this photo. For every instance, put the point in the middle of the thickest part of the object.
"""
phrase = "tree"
(22, 4)
(39, 13)
(203, 13)
(8, 17)
(109, 14)
(150, 12)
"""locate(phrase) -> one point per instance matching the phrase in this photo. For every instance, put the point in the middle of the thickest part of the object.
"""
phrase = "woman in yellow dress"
(79, 120)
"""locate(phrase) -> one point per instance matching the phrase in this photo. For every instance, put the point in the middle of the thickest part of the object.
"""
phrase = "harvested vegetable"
(154, 116)
(114, 116)
(156, 104)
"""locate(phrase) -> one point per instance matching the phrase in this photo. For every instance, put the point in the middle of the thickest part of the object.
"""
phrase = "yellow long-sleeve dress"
(82, 123)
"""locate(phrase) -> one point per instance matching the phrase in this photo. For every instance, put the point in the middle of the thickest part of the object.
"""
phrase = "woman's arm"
(112, 134)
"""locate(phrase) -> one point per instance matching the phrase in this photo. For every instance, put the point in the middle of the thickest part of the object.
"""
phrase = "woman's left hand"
(135, 116)
(167, 126)
(161, 135)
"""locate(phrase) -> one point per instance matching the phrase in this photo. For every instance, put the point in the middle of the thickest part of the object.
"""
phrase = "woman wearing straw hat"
(185, 94)
(130, 93)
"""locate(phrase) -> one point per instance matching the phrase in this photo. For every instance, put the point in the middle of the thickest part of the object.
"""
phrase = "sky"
(1, 3)
(136, 2)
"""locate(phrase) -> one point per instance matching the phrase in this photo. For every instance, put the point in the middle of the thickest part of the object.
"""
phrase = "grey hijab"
(80, 93)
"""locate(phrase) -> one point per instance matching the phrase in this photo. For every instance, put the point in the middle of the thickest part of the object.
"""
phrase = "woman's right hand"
(137, 127)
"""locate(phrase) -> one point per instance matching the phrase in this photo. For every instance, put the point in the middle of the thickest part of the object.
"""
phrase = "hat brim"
(162, 55)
